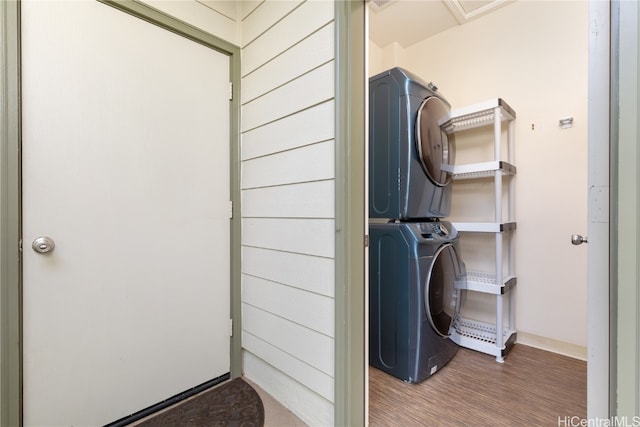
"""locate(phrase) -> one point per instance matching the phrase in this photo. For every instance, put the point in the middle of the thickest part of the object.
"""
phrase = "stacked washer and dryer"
(415, 269)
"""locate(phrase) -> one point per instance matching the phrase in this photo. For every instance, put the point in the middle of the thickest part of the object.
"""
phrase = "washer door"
(435, 149)
(441, 292)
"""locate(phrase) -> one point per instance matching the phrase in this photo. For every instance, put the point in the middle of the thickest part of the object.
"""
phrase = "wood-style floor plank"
(532, 387)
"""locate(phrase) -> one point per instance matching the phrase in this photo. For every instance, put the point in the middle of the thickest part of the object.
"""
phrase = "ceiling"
(409, 21)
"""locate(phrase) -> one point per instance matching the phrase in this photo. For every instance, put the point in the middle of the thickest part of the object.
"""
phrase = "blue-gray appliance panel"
(399, 188)
(402, 341)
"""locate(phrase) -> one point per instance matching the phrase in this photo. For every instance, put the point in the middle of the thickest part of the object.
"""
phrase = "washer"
(415, 275)
(409, 156)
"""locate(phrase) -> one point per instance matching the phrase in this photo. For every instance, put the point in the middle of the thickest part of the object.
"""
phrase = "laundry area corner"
(497, 175)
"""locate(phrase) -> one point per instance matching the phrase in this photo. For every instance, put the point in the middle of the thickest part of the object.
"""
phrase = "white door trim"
(598, 285)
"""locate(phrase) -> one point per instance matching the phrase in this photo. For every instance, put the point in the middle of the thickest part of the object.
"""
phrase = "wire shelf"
(482, 170)
(477, 115)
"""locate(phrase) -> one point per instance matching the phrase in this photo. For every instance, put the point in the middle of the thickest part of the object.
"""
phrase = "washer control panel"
(440, 229)
(437, 230)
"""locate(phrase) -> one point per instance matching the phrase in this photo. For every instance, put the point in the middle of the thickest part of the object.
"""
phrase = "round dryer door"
(441, 292)
(435, 149)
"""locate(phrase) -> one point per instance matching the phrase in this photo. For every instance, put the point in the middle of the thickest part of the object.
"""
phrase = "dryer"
(415, 274)
(410, 158)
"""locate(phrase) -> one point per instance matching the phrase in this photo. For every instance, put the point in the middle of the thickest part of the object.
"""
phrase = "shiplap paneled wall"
(288, 203)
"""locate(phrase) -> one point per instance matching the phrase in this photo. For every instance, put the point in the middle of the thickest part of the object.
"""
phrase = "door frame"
(350, 377)
(10, 260)
(602, 290)
(10, 189)
(601, 252)
(625, 227)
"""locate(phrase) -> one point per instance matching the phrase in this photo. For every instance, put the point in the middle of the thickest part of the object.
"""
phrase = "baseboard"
(552, 345)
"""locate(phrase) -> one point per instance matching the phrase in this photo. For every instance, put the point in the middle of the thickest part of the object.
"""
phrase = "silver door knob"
(43, 244)
(577, 239)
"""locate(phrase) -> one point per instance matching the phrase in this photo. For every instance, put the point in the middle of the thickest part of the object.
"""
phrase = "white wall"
(533, 55)
(287, 203)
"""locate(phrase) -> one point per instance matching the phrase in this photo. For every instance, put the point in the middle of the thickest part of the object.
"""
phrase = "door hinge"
(366, 240)
(230, 91)
(230, 209)
(230, 327)
(20, 246)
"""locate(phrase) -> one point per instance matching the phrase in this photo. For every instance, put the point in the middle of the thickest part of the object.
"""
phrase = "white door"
(126, 167)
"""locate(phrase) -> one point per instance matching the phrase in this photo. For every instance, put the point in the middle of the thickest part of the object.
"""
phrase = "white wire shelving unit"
(498, 338)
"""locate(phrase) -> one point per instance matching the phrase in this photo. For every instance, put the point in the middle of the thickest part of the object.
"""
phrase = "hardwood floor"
(532, 388)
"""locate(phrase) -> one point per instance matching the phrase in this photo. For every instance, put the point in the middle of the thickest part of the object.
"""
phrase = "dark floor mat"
(234, 403)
